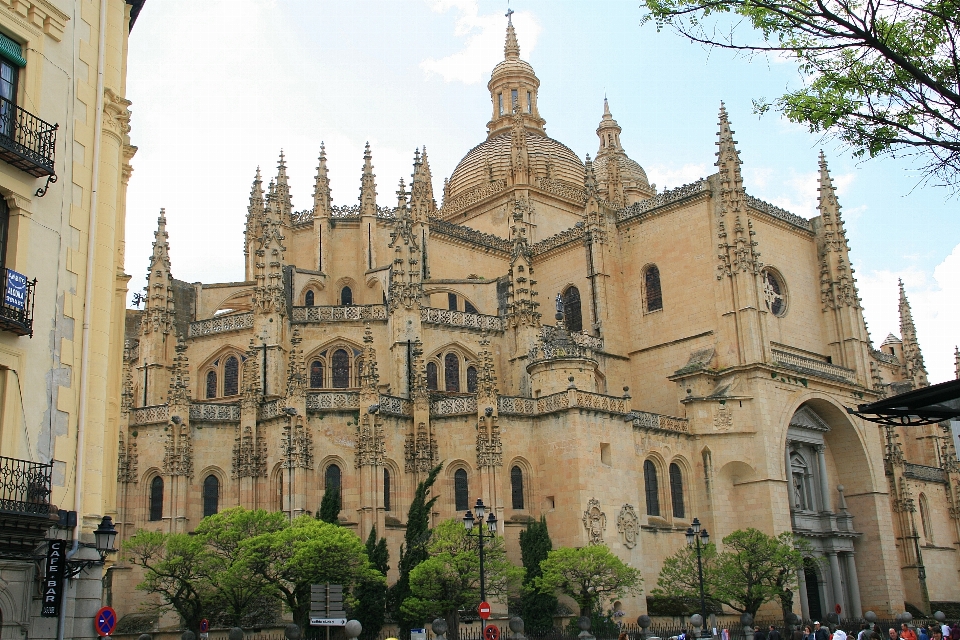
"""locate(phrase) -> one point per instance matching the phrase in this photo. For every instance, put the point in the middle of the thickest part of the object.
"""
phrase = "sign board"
(105, 621)
(327, 622)
(484, 610)
(53, 579)
(491, 632)
(15, 295)
(418, 634)
(326, 605)
(204, 625)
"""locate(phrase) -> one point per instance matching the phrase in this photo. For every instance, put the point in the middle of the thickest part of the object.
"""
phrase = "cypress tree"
(536, 608)
(371, 609)
(330, 506)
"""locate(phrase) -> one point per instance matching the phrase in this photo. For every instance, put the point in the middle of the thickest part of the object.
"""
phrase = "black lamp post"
(104, 536)
(468, 521)
(699, 539)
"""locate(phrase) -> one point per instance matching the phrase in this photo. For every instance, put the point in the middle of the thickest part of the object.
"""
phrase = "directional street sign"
(491, 632)
(327, 622)
(105, 621)
(326, 606)
(484, 610)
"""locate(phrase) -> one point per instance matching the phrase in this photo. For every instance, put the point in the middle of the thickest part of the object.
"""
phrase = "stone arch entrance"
(813, 590)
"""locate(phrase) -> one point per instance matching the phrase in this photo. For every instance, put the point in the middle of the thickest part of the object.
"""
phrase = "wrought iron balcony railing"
(16, 302)
(26, 141)
(25, 487)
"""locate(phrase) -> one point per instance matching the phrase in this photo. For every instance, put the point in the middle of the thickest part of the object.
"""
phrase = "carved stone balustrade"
(812, 367)
(394, 406)
(212, 412)
(150, 415)
(888, 358)
(646, 420)
(558, 351)
(270, 409)
(349, 313)
(548, 334)
(514, 405)
(222, 324)
(663, 199)
(461, 319)
(333, 400)
(454, 406)
(925, 473)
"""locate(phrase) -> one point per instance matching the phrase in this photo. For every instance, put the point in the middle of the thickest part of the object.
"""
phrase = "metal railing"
(25, 486)
(16, 302)
(26, 141)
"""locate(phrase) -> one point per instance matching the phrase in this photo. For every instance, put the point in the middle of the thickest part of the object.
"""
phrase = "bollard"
(291, 632)
(236, 633)
(746, 620)
(352, 628)
(145, 636)
(644, 623)
(584, 624)
(439, 629)
(516, 626)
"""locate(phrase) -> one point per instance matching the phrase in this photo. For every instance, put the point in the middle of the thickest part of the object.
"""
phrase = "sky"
(220, 87)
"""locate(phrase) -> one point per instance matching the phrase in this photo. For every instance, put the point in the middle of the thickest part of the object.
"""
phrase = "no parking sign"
(105, 621)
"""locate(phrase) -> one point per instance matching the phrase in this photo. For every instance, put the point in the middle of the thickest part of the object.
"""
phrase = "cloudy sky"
(220, 87)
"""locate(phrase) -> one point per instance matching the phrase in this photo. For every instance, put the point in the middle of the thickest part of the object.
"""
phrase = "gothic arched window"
(652, 488)
(316, 374)
(653, 295)
(386, 490)
(331, 480)
(925, 519)
(571, 309)
(451, 372)
(346, 297)
(308, 298)
(461, 495)
(471, 379)
(341, 369)
(452, 301)
(676, 490)
(774, 294)
(231, 375)
(516, 487)
(211, 495)
(211, 384)
(156, 499)
(469, 308)
(432, 376)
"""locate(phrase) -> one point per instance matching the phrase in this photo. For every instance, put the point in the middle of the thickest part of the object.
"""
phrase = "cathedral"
(569, 342)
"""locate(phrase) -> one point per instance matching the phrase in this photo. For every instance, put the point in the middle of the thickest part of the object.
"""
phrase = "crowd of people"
(867, 631)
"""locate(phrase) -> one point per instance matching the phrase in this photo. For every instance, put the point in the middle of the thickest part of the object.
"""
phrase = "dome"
(512, 66)
(490, 160)
(631, 173)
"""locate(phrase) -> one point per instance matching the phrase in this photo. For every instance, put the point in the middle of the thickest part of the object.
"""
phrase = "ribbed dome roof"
(631, 173)
(512, 66)
(493, 155)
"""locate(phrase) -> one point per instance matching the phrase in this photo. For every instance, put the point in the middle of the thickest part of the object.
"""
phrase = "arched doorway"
(812, 590)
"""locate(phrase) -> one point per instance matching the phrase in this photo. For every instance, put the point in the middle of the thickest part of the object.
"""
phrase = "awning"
(11, 51)
(921, 406)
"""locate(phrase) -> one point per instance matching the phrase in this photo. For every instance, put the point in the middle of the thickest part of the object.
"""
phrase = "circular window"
(774, 293)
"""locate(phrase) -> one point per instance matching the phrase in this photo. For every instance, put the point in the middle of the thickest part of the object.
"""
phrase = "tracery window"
(571, 309)
(516, 487)
(451, 373)
(460, 493)
(316, 374)
(346, 297)
(308, 298)
(231, 376)
(432, 376)
(653, 295)
(331, 480)
(386, 489)
(774, 293)
(471, 379)
(452, 301)
(211, 495)
(340, 364)
(676, 490)
(469, 308)
(651, 488)
(156, 499)
(211, 384)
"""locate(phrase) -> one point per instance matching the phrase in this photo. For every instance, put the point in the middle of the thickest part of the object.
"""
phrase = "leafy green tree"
(882, 76)
(371, 595)
(175, 570)
(678, 583)
(330, 506)
(536, 607)
(589, 575)
(449, 579)
(307, 552)
(414, 548)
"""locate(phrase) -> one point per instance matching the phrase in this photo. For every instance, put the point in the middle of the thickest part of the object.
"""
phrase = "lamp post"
(699, 539)
(104, 536)
(468, 521)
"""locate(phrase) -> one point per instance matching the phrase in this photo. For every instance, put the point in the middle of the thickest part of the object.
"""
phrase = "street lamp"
(104, 536)
(699, 539)
(468, 521)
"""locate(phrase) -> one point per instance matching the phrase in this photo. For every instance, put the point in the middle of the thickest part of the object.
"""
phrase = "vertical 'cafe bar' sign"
(53, 579)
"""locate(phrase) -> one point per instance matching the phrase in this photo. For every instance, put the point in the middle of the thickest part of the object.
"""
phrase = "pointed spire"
(368, 185)
(739, 248)
(913, 365)
(401, 198)
(511, 48)
(422, 203)
(179, 394)
(956, 362)
(728, 160)
(160, 258)
(282, 192)
(158, 309)
(606, 108)
(321, 189)
(590, 178)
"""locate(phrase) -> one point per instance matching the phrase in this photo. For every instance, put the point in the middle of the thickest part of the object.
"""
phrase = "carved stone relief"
(595, 521)
(628, 524)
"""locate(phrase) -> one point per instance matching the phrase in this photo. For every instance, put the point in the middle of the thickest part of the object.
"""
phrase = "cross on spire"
(509, 14)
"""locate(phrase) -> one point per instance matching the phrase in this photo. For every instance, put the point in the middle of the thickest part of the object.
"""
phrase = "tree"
(413, 551)
(449, 579)
(882, 75)
(372, 594)
(307, 552)
(537, 608)
(329, 510)
(679, 584)
(588, 575)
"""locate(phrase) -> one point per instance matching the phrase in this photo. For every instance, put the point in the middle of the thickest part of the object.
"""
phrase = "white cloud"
(671, 176)
(483, 41)
(795, 191)
(934, 301)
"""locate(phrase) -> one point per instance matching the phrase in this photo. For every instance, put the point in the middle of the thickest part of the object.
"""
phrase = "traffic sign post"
(105, 621)
(491, 632)
(326, 606)
(484, 610)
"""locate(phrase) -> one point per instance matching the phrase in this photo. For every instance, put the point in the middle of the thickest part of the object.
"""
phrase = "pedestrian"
(798, 633)
(808, 633)
(945, 630)
(864, 631)
(954, 631)
(922, 633)
(774, 634)
(906, 633)
(839, 634)
(819, 632)
(893, 634)
(759, 634)
(936, 633)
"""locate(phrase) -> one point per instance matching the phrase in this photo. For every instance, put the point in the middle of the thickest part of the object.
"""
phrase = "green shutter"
(11, 51)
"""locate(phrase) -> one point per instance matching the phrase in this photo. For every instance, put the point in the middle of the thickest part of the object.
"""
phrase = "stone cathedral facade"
(569, 342)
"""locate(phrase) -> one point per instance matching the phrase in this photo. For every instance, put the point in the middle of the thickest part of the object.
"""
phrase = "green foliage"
(753, 569)
(536, 607)
(371, 595)
(880, 76)
(449, 579)
(329, 511)
(589, 575)
(377, 552)
(414, 548)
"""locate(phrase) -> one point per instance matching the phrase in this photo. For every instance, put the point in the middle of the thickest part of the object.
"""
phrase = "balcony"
(26, 141)
(25, 509)
(16, 302)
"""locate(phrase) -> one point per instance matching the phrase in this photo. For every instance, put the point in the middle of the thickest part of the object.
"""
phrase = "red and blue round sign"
(204, 625)
(105, 621)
